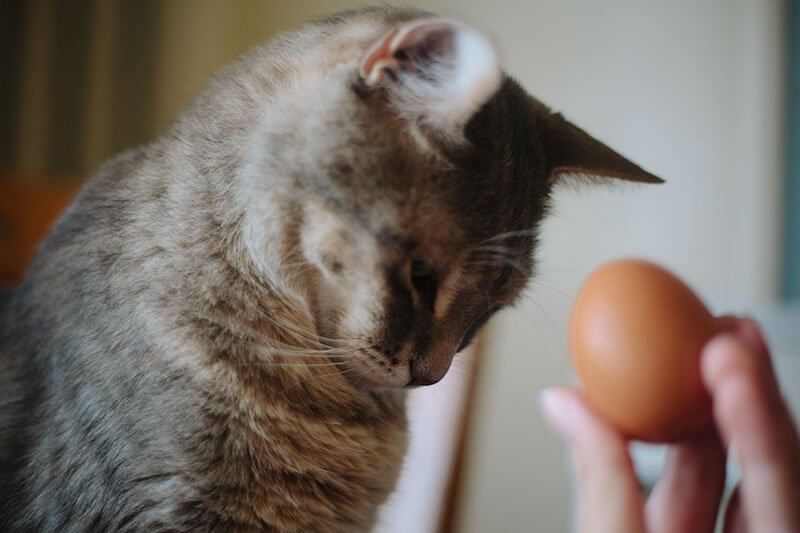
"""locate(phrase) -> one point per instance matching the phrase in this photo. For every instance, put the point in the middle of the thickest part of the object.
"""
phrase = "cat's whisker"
(530, 232)
(498, 251)
(275, 346)
(541, 309)
(546, 286)
(307, 353)
(313, 337)
(300, 334)
(494, 248)
(499, 262)
(278, 347)
(297, 365)
(309, 336)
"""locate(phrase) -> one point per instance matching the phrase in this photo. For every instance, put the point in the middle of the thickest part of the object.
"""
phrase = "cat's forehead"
(376, 170)
(387, 169)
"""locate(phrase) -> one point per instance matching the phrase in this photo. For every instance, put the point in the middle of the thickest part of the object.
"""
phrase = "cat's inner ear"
(572, 153)
(433, 70)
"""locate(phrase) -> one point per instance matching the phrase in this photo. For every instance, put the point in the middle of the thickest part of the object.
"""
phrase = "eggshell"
(636, 335)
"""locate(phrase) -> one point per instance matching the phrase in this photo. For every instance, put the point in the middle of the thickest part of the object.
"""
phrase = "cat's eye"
(424, 279)
(421, 268)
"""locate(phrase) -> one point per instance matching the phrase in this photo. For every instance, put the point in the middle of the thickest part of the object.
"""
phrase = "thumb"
(609, 497)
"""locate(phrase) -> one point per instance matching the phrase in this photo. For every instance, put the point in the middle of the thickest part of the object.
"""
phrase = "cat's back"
(79, 396)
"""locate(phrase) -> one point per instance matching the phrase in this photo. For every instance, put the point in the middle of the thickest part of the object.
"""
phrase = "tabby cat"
(220, 332)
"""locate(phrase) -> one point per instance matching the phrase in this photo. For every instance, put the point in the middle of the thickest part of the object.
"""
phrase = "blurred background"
(700, 92)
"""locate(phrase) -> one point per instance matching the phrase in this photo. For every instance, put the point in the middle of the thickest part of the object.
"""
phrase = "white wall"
(691, 90)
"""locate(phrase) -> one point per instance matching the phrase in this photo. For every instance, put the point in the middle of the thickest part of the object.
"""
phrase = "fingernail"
(556, 407)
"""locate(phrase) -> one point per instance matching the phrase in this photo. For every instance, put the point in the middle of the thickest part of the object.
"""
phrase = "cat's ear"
(572, 153)
(433, 70)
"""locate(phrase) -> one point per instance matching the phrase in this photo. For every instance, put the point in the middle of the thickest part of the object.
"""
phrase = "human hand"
(749, 413)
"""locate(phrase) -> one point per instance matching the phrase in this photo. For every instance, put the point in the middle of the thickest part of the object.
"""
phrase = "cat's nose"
(421, 379)
(428, 370)
(423, 280)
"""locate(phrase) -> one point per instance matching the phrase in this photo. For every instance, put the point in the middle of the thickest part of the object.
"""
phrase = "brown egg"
(636, 335)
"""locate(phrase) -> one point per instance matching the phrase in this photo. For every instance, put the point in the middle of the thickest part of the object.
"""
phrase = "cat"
(220, 332)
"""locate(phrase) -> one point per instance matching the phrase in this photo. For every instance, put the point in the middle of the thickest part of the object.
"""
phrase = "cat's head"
(420, 174)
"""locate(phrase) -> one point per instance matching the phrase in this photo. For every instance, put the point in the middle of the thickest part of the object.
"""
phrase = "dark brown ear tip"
(655, 180)
(640, 175)
(636, 173)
